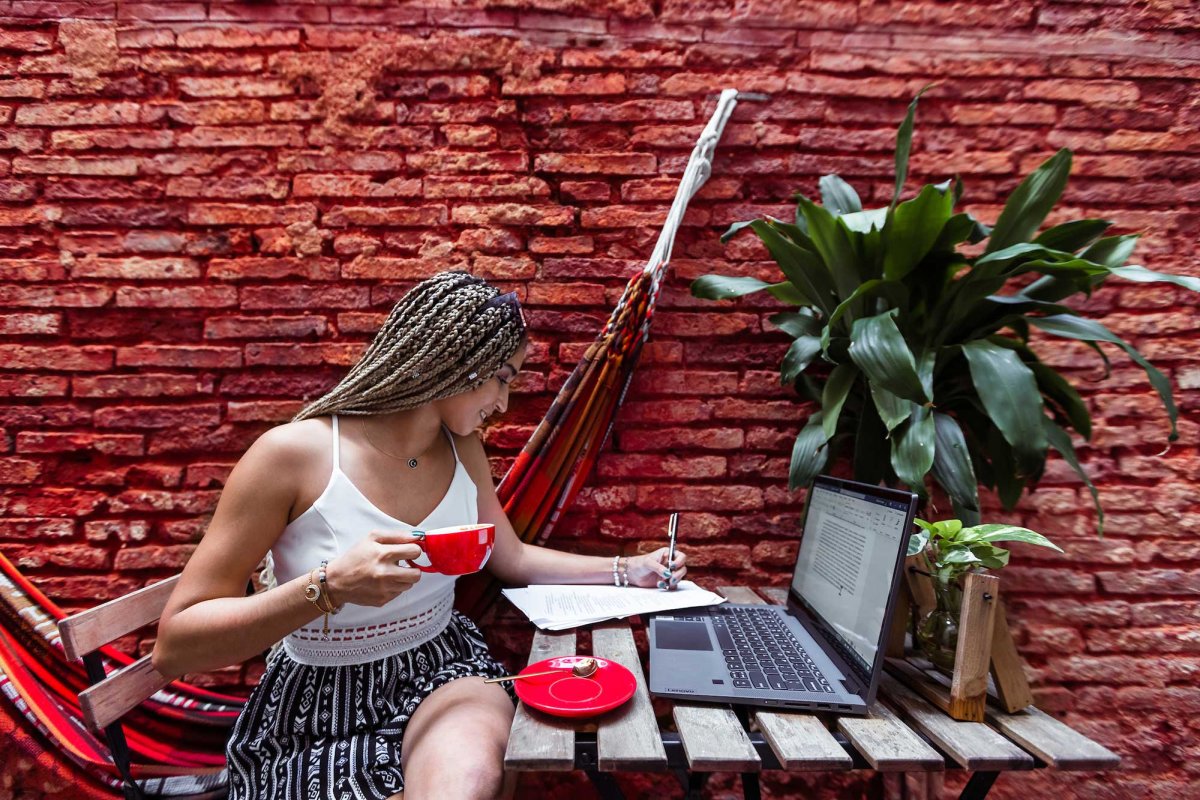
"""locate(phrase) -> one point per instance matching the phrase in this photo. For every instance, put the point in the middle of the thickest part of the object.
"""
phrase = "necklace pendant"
(412, 463)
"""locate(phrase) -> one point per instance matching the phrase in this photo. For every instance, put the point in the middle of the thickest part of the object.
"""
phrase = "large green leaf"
(866, 221)
(1138, 273)
(724, 287)
(837, 388)
(1091, 331)
(913, 449)
(1059, 389)
(795, 323)
(797, 358)
(880, 351)
(896, 294)
(1111, 251)
(838, 196)
(903, 146)
(915, 227)
(1010, 394)
(734, 229)
(1009, 484)
(802, 267)
(960, 228)
(1029, 204)
(1073, 236)
(998, 532)
(832, 240)
(892, 410)
(809, 454)
(952, 468)
(786, 292)
(1060, 440)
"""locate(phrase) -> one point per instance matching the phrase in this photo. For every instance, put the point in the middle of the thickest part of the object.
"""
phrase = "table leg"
(978, 786)
(695, 785)
(606, 785)
(750, 786)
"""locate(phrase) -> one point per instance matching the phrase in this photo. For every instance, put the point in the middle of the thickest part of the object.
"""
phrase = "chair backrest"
(109, 698)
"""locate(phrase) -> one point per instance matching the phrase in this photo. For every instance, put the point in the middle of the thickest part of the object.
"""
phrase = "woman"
(378, 686)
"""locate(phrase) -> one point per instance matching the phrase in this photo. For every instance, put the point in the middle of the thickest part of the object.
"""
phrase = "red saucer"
(567, 695)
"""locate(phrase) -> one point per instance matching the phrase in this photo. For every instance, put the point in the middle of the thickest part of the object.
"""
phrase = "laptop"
(824, 649)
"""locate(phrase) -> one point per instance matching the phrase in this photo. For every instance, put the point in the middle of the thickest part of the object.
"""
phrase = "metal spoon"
(583, 669)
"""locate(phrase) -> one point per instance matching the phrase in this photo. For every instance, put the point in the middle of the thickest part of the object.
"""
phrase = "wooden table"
(903, 733)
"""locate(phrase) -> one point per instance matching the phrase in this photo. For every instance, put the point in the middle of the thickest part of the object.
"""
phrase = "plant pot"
(937, 633)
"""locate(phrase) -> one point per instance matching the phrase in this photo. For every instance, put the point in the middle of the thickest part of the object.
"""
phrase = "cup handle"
(419, 535)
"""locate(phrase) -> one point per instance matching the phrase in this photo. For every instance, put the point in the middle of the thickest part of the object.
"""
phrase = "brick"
(140, 215)
(227, 36)
(105, 530)
(148, 500)
(716, 498)
(357, 186)
(218, 112)
(135, 268)
(109, 444)
(31, 269)
(279, 411)
(30, 324)
(61, 115)
(246, 268)
(204, 476)
(16, 471)
(33, 386)
(173, 557)
(189, 356)
(90, 588)
(275, 327)
(596, 163)
(303, 354)
(235, 187)
(50, 502)
(468, 161)
(27, 41)
(181, 297)
(512, 214)
(1155, 581)
(304, 297)
(23, 529)
(76, 165)
(66, 358)
(421, 216)
(482, 186)
(145, 385)
(242, 214)
(248, 136)
(654, 466)
(1090, 92)
(241, 86)
(130, 416)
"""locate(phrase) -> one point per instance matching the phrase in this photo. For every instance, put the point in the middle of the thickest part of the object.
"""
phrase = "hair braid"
(447, 335)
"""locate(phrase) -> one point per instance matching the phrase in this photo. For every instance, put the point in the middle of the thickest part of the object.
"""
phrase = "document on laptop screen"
(846, 561)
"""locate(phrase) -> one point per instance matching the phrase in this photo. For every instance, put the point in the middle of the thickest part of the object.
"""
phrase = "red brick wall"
(206, 208)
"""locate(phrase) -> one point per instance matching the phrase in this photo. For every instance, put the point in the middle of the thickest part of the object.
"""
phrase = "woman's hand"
(651, 569)
(372, 572)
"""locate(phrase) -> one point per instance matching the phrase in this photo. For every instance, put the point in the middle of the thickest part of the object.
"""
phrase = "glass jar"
(937, 633)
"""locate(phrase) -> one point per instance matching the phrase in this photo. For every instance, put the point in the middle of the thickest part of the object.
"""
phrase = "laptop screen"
(849, 554)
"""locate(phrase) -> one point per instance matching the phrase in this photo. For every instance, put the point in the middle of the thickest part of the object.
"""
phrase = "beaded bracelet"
(624, 571)
(315, 592)
(616, 578)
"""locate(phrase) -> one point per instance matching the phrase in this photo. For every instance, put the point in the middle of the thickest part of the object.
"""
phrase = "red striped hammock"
(177, 737)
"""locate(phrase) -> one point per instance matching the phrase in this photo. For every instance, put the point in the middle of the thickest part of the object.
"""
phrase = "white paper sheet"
(556, 607)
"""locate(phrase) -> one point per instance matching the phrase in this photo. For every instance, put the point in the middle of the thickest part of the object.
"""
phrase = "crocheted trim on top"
(370, 642)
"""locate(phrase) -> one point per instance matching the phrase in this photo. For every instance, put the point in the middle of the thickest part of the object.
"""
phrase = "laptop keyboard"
(762, 653)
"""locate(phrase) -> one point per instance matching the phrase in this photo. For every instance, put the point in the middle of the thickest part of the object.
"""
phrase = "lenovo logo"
(684, 691)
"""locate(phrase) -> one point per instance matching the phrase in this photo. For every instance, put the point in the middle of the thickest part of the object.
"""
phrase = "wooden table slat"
(973, 745)
(628, 738)
(1056, 743)
(1052, 741)
(539, 741)
(740, 595)
(774, 594)
(714, 739)
(887, 744)
(801, 742)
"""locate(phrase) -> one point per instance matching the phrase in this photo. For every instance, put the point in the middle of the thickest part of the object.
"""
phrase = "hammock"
(177, 737)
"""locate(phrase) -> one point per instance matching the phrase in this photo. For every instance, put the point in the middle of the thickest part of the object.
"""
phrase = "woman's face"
(464, 413)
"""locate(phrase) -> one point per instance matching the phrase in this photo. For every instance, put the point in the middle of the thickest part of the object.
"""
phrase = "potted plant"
(928, 363)
(954, 550)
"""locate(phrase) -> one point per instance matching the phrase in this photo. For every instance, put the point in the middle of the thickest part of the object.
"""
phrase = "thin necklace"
(412, 462)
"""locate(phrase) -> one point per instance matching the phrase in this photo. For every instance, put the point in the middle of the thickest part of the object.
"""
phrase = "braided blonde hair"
(449, 334)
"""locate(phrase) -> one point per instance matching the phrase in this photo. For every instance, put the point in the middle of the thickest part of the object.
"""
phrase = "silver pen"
(672, 526)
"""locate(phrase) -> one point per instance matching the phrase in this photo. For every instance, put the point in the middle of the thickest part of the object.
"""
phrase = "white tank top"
(340, 518)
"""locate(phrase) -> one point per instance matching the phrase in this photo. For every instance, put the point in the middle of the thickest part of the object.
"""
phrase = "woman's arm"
(516, 563)
(209, 622)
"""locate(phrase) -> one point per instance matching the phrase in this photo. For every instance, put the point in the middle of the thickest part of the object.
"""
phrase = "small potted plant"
(954, 550)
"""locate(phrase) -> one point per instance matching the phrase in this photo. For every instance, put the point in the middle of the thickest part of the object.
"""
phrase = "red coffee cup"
(456, 550)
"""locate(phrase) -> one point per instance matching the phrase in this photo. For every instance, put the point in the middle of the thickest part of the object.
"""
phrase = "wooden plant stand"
(984, 645)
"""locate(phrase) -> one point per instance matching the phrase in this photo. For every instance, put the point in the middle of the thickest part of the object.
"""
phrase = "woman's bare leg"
(454, 744)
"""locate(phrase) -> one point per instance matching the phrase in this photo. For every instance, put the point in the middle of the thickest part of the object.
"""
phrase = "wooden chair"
(110, 697)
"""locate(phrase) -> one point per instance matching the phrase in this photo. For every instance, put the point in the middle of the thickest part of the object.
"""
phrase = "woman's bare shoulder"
(290, 446)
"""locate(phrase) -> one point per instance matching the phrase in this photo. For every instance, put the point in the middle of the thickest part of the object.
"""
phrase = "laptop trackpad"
(671, 635)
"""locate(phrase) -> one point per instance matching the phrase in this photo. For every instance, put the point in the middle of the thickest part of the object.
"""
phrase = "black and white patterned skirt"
(334, 733)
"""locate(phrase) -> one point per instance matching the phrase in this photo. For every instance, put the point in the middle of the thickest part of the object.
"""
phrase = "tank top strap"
(337, 460)
(453, 448)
